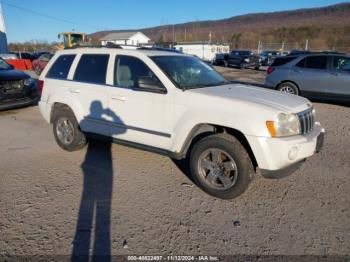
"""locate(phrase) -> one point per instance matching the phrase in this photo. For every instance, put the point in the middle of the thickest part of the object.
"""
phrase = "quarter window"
(92, 68)
(61, 67)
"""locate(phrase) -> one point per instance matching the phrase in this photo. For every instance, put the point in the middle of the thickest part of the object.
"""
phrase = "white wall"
(203, 51)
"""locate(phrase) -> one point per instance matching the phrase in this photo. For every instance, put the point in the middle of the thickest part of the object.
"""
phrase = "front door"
(339, 84)
(142, 116)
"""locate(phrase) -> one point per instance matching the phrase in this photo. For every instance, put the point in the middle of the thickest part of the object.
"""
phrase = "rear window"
(282, 61)
(61, 67)
(92, 69)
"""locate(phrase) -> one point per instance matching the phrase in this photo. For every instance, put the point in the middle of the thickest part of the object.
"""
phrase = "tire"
(289, 88)
(219, 181)
(64, 119)
(257, 68)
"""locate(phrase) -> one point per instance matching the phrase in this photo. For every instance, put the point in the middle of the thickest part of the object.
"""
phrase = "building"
(204, 50)
(3, 38)
(126, 38)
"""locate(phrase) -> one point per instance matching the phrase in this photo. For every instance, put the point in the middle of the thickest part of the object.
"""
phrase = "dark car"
(221, 59)
(36, 55)
(244, 59)
(40, 63)
(315, 75)
(268, 56)
(17, 89)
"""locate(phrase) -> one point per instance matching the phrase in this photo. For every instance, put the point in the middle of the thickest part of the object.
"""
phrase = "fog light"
(293, 153)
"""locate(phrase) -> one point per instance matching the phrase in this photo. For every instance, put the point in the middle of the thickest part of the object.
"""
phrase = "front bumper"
(274, 155)
(17, 103)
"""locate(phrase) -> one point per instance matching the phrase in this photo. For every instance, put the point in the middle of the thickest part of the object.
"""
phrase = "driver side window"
(341, 63)
(129, 70)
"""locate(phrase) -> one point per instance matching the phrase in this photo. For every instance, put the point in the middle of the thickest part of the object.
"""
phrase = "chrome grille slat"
(307, 121)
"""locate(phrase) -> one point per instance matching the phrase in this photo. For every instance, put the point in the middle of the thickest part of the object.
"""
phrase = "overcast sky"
(93, 15)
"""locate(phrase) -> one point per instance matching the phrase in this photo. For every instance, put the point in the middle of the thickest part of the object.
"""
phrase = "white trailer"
(204, 50)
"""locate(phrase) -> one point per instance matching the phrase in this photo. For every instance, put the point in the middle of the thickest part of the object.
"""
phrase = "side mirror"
(149, 84)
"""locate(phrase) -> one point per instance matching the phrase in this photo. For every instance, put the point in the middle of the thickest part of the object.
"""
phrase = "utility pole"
(307, 45)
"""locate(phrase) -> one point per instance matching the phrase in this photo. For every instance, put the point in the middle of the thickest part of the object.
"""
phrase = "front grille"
(11, 87)
(307, 121)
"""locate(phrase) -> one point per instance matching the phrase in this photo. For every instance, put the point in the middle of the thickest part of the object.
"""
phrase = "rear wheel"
(288, 87)
(221, 166)
(67, 132)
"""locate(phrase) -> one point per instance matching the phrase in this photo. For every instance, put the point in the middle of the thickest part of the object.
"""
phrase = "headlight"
(284, 125)
(246, 60)
(29, 81)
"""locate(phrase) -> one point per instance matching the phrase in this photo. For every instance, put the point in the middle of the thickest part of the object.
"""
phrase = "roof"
(104, 50)
(120, 35)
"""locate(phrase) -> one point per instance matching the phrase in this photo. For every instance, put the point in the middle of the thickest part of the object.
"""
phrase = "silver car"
(318, 75)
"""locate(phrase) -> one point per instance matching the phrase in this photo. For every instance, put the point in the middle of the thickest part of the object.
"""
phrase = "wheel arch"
(202, 130)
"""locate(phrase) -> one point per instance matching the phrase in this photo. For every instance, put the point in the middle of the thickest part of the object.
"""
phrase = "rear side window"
(61, 67)
(282, 61)
(92, 69)
(313, 62)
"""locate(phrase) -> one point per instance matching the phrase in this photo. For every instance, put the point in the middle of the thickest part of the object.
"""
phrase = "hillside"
(325, 28)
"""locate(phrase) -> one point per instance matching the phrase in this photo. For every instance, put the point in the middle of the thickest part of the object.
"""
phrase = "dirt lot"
(132, 202)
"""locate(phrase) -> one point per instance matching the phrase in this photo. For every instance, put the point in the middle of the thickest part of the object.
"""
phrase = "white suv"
(176, 105)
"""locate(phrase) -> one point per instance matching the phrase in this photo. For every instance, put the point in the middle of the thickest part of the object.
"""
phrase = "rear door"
(339, 84)
(88, 88)
(312, 75)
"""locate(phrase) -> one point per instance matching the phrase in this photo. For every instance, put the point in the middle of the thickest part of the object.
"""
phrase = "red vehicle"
(40, 63)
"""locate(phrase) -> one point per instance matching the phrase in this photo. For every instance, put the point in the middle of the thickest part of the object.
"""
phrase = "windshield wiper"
(206, 85)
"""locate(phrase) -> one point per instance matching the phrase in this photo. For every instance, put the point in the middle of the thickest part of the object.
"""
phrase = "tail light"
(270, 70)
(40, 87)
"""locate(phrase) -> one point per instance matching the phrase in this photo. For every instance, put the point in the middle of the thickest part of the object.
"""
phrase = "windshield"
(189, 72)
(4, 65)
(76, 39)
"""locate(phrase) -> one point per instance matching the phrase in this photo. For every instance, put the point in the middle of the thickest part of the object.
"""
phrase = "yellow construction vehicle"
(71, 39)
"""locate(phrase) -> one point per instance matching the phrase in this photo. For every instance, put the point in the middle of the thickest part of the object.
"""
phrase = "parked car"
(8, 56)
(322, 75)
(221, 59)
(36, 55)
(40, 63)
(244, 59)
(23, 55)
(268, 56)
(17, 89)
(175, 104)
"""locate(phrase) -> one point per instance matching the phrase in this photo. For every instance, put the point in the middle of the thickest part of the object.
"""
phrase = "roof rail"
(108, 45)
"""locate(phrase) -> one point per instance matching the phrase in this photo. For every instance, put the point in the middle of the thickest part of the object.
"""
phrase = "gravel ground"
(118, 200)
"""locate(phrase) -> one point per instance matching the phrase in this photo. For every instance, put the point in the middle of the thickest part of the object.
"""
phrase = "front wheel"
(67, 132)
(221, 166)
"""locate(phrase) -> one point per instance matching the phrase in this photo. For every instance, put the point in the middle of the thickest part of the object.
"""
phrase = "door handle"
(120, 98)
(74, 91)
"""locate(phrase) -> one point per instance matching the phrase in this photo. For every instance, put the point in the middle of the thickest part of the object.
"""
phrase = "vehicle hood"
(255, 95)
(7, 75)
